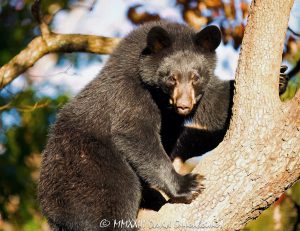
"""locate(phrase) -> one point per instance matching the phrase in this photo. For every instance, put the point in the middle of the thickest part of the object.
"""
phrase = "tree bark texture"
(260, 155)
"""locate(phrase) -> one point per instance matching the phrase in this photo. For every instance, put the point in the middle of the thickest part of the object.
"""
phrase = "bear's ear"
(157, 40)
(209, 38)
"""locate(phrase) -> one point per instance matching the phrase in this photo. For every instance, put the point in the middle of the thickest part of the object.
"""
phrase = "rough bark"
(259, 157)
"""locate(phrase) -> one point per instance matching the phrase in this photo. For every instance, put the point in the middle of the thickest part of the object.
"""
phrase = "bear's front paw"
(190, 186)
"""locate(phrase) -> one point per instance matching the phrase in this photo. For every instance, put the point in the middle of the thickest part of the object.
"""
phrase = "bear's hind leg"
(85, 184)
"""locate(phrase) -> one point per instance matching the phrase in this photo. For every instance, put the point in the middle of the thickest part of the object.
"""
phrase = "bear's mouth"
(184, 111)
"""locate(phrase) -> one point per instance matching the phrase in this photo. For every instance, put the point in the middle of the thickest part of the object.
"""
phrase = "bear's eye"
(172, 80)
(195, 78)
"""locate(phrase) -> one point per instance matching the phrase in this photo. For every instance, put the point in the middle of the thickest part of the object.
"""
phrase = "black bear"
(106, 143)
(113, 139)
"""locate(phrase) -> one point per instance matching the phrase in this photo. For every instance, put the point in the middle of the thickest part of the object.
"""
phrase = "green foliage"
(281, 216)
(23, 142)
(292, 88)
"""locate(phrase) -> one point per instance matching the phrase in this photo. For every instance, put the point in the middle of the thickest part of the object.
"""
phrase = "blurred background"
(28, 105)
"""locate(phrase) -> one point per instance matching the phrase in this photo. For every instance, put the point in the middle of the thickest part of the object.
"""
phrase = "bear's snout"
(184, 107)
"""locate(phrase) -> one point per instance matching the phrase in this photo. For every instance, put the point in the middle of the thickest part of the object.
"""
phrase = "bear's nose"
(183, 109)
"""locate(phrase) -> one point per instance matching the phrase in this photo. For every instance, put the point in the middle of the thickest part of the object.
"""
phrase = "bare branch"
(50, 42)
(41, 46)
(139, 18)
(36, 12)
(293, 32)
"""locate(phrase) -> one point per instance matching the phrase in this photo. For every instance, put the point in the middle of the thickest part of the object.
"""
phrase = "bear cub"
(108, 141)
(115, 138)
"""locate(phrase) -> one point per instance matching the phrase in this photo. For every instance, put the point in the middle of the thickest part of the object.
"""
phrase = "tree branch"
(293, 32)
(41, 46)
(50, 42)
(36, 12)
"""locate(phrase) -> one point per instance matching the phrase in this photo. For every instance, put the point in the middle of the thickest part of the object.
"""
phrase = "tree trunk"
(259, 157)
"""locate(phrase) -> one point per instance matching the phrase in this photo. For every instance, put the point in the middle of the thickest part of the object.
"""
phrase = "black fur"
(209, 38)
(208, 127)
(107, 141)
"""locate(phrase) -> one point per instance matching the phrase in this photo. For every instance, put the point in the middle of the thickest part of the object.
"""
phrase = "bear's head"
(181, 66)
